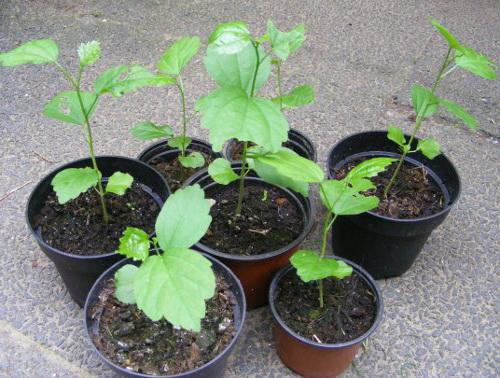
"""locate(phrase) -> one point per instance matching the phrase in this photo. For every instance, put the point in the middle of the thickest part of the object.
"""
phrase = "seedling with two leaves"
(172, 281)
(426, 102)
(77, 106)
(340, 197)
(171, 65)
(241, 65)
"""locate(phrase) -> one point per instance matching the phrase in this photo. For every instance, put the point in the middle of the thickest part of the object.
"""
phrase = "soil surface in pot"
(130, 339)
(237, 149)
(349, 308)
(268, 220)
(414, 195)
(77, 226)
(174, 172)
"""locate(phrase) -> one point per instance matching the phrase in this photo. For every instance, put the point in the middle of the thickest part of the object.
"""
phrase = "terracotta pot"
(256, 272)
(311, 359)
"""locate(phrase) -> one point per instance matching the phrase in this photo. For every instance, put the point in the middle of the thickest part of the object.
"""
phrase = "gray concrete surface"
(441, 317)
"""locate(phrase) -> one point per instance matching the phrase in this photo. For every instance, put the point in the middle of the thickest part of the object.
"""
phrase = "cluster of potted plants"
(167, 276)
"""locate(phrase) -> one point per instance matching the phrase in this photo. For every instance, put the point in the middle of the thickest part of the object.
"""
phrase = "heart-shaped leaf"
(71, 182)
(118, 183)
(311, 267)
(221, 172)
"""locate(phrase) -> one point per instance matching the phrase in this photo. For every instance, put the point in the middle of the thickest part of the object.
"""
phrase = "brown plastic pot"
(311, 359)
(256, 272)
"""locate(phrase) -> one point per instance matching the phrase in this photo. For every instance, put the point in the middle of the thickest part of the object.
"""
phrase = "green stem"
(278, 79)
(327, 224)
(418, 122)
(184, 117)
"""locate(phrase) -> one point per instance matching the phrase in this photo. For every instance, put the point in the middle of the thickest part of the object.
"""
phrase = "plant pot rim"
(164, 141)
(308, 224)
(363, 274)
(409, 159)
(38, 237)
(186, 373)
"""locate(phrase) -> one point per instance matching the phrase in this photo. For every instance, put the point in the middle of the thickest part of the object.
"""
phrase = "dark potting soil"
(174, 172)
(77, 226)
(349, 308)
(237, 149)
(414, 195)
(130, 339)
(268, 220)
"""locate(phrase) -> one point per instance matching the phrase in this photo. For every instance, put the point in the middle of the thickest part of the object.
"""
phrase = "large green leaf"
(237, 70)
(299, 96)
(311, 267)
(285, 43)
(288, 163)
(175, 286)
(134, 244)
(270, 174)
(177, 56)
(230, 37)
(183, 219)
(194, 160)
(425, 103)
(148, 130)
(39, 51)
(125, 283)
(118, 183)
(221, 172)
(230, 113)
(89, 53)
(66, 107)
(71, 182)
(429, 147)
(452, 41)
(472, 61)
(459, 112)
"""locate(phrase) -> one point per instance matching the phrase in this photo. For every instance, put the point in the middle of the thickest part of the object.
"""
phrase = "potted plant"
(328, 306)
(169, 311)
(257, 223)
(417, 192)
(180, 156)
(237, 68)
(77, 212)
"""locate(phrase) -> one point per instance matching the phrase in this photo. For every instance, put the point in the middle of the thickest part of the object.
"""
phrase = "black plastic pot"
(80, 272)
(311, 359)
(384, 246)
(297, 141)
(214, 368)
(256, 272)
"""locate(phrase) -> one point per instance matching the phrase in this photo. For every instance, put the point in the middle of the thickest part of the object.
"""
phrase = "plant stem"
(184, 118)
(418, 122)
(327, 224)
(278, 79)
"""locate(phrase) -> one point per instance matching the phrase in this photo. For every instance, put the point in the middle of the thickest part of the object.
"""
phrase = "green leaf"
(134, 244)
(237, 70)
(180, 142)
(369, 168)
(183, 219)
(425, 103)
(118, 183)
(429, 147)
(194, 160)
(230, 37)
(177, 56)
(480, 65)
(175, 286)
(452, 41)
(299, 96)
(311, 267)
(39, 51)
(221, 172)
(459, 112)
(289, 164)
(230, 113)
(147, 130)
(125, 283)
(65, 107)
(105, 82)
(71, 182)
(396, 135)
(89, 53)
(270, 174)
(285, 43)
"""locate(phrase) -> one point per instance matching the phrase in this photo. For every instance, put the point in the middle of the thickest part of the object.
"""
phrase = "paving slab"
(441, 317)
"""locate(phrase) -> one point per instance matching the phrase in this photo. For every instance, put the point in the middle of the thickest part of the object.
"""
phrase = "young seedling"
(426, 103)
(240, 65)
(340, 197)
(172, 281)
(171, 64)
(77, 106)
